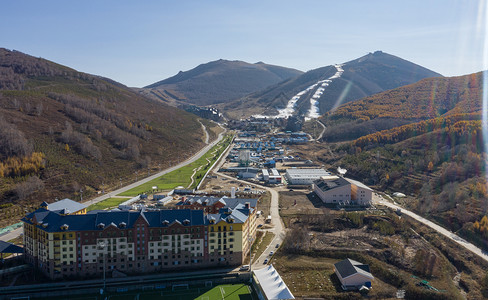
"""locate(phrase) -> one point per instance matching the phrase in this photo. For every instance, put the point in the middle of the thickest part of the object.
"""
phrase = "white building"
(269, 285)
(360, 193)
(304, 176)
(353, 274)
(335, 189)
(271, 176)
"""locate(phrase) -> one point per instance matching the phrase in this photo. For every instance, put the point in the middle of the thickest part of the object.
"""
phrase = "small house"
(353, 275)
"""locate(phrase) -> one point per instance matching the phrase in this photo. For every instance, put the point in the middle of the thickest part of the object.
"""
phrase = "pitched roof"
(67, 204)
(272, 284)
(359, 184)
(6, 247)
(52, 221)
(228, 202)
(348, 267)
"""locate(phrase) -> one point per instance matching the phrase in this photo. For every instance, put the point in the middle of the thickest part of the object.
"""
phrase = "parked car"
(277, 245)
(244, 268)
(271, 253)
(265, 261)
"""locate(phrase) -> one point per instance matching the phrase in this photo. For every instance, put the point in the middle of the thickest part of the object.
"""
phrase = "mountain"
(333, 85)
(431, 148)
(219, 81)
(62, 131)
(426, 99)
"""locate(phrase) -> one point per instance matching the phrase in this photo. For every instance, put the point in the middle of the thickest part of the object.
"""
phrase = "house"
(352, 274)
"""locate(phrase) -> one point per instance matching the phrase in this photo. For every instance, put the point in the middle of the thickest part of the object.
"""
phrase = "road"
(323, 130)
(157, 175)
(483, 254)
(278, 226)
(15, 233)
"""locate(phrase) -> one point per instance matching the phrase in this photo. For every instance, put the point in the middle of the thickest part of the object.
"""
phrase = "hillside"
(428, 98)
(367, 75)
(437, 156)
(219, 81)
(62, 131)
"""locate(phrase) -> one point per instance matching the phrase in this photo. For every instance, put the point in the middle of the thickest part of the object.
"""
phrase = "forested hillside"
(66, 134)
(437, 158)
(428, 98)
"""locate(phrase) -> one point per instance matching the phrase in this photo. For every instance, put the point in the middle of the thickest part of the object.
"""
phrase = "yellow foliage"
(15, 166)
(66, 147)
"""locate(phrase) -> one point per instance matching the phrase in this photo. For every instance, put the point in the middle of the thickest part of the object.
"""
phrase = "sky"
(138, 43)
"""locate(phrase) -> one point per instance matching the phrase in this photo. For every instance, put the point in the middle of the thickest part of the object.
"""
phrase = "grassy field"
(182, 176)
(220, 292)
(108, 203)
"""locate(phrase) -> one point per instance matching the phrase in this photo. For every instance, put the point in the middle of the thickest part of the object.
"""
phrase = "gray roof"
(238, 215)
(305, 172)
(228, 202)
(66, 204)
(326, 185)
(348, 267)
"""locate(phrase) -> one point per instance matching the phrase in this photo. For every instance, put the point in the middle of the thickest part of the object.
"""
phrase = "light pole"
(101, 245)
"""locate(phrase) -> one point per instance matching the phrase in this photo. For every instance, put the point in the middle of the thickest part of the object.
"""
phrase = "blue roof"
(52, 221)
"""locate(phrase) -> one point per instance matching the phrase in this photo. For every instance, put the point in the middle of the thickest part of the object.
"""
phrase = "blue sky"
(140, 43)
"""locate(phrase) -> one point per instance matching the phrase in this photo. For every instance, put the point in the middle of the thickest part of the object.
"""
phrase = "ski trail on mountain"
(314, 111)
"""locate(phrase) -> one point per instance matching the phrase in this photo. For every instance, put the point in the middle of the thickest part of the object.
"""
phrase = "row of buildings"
(63, 240)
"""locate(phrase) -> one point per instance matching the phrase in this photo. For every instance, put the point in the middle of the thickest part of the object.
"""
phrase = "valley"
(378, 118)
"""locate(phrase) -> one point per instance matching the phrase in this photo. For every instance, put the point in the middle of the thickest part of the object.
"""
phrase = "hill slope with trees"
(65, 134)
(436, 156)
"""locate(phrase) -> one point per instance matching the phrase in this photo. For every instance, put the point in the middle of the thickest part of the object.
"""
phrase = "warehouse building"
(304, 176)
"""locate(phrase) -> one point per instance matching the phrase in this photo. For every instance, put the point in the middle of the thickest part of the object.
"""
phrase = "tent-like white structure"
(269, 284)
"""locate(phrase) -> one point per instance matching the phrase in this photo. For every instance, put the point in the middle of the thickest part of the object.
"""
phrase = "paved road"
(15, 233)
(483, 254)
(11, 235)
(278, 227)
(157, 175)
(323, 130)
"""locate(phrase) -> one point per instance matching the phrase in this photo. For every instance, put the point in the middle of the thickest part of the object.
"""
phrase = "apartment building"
(63, 245)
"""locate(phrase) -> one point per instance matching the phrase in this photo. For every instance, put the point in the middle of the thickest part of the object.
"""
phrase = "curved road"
(481, 253)
(15, 233)
(159, 174)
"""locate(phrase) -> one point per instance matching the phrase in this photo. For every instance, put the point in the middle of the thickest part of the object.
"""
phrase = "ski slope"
(314, 111)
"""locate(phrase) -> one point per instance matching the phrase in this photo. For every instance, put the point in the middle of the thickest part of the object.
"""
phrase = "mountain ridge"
(221, 80)
(364, 76)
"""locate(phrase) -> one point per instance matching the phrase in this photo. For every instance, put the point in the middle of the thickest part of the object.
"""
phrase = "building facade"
(82, 245)
(344, 191)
